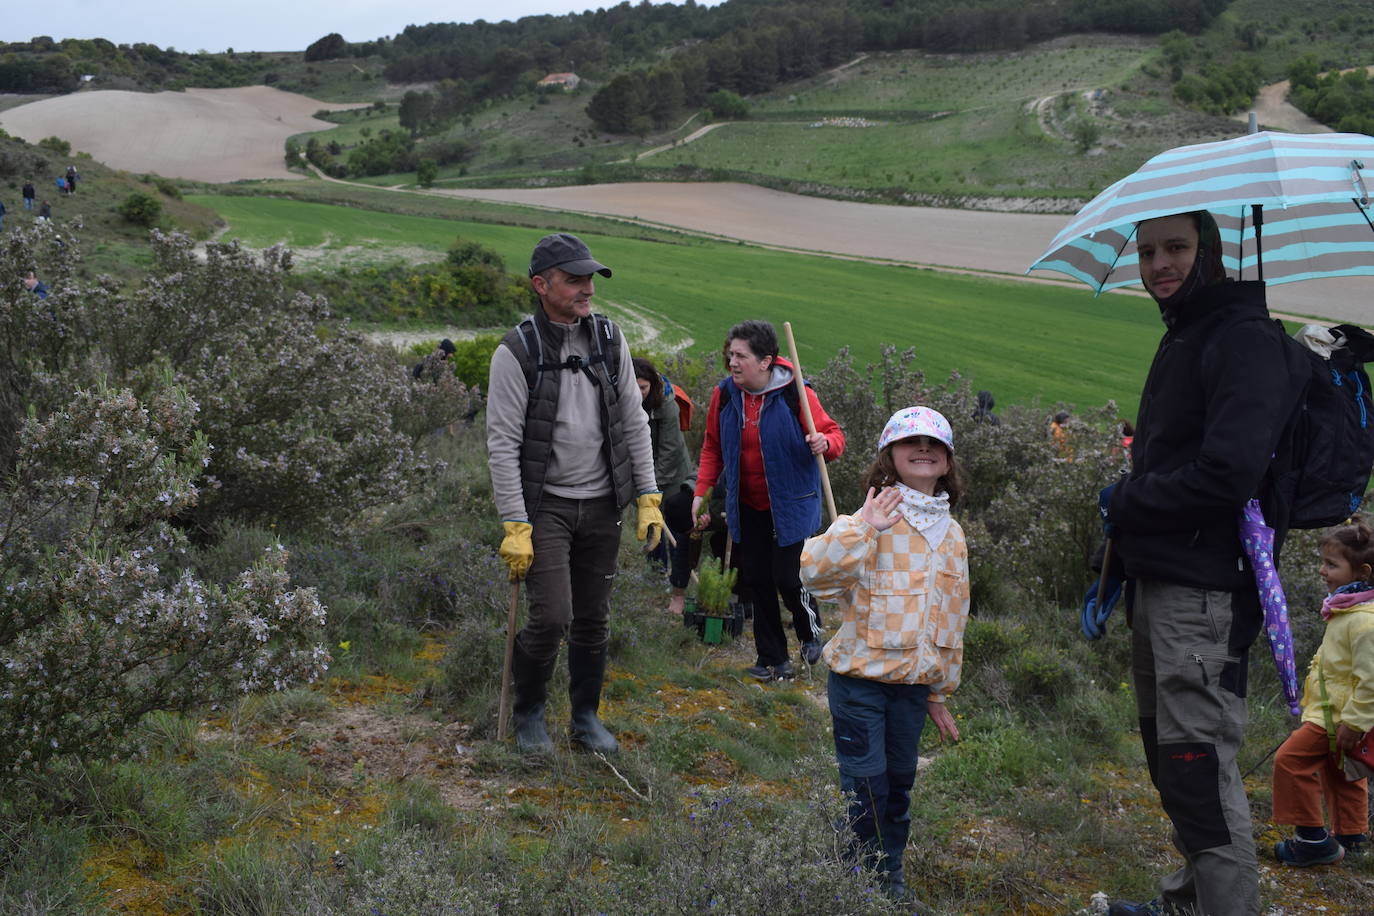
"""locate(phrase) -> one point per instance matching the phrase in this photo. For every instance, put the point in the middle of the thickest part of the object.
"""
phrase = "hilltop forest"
(744, 45)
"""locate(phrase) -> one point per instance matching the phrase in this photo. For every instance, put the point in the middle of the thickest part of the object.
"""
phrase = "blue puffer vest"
(794, 481)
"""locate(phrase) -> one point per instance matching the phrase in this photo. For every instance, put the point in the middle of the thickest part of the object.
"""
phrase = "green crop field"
(1026, 342)
(933, 82)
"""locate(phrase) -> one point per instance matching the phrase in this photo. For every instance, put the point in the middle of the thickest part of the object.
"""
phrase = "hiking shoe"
(1303, 853)
(785, 671)
(811, 652)
(1153, 907)
(1354, 844)
(759, 672)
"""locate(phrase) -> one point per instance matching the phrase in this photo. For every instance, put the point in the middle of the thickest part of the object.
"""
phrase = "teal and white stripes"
(1317, 210)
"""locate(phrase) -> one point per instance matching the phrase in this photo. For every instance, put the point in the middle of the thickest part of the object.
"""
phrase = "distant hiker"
(35, 285)
(675, 475)
(763, 459)
(436, 363)
(1212, 413)
(71, 179)
(898, 653)
(2, 214)
(28, 194)
(61, 184)
(1337, 711)
(1127, 435)
(983, 412)
(45, 210)
(568, 446)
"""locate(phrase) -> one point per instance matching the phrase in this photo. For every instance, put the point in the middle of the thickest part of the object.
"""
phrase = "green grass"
(1024, 341)
(352, 124)
(912, 80)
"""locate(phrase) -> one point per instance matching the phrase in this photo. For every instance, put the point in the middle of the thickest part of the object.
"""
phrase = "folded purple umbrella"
(1258, 540)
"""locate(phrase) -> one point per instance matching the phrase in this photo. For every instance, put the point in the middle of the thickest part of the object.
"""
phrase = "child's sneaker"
(1301, 853)
(1354, 844)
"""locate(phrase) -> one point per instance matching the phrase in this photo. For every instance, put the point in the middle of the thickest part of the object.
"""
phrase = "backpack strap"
(606, 338)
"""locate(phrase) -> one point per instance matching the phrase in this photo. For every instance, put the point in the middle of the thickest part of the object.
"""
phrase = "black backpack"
(1332, 431)
(607, 338)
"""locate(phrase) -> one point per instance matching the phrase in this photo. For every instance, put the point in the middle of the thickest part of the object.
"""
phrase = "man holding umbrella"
(1212, 414)
(568, 447)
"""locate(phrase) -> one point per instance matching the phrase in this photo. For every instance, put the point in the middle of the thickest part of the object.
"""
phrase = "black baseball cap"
(567, 253)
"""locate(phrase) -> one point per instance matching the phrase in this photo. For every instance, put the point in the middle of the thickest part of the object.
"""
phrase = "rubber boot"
(586, 671)
(531, 679)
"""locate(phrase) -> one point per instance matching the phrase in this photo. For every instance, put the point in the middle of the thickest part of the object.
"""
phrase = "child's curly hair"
(883, 473)
(1354, 540)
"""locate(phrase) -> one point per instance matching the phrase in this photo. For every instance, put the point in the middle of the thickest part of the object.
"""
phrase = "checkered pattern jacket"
(904, 604)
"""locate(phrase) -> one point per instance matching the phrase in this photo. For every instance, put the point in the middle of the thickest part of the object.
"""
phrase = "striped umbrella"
(1308, 189)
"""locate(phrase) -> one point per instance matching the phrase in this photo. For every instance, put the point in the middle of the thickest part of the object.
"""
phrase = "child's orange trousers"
(1305, 772)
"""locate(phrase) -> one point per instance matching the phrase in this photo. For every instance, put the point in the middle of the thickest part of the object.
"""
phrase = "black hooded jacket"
(1213, 411)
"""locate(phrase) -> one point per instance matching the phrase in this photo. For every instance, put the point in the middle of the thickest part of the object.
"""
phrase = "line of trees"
(1344, 101)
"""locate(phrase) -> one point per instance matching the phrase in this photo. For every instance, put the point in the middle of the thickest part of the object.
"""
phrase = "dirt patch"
(362, 741)
(1274, 112)
(202, 134)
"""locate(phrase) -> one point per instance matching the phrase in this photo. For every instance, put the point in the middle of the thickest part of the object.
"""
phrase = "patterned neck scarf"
(1348, 595)
(927, 514)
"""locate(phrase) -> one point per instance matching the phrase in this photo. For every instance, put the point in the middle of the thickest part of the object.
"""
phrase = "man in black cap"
(568, 446)
(432, 365)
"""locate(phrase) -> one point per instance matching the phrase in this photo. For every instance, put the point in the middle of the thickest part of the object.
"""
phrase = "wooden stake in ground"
(806, 415)
(502, 716)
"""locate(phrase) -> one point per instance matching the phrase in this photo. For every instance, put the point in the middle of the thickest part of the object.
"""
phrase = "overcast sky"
(256, 25)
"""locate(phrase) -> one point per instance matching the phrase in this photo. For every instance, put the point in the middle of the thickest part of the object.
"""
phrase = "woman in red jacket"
(756, 448)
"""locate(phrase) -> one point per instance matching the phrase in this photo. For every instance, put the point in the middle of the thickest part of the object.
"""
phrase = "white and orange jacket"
(904, 605)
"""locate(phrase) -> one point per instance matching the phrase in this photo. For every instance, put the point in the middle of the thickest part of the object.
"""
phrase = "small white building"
(566, 81)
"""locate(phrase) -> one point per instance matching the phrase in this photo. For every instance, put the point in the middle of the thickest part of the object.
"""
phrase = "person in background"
(1059, 433)
(675, 475)
(757, 450)
(28, 194)
(568, 448)
(35, 285)
(898, 653)
(435, 363)
(45, 210)
(983, 412)
(1337, 711)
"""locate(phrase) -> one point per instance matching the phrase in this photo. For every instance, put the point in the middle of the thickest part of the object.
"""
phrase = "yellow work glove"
(650, 527)
(517, 549)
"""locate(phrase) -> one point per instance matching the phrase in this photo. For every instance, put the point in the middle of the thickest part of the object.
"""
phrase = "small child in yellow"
(1337, 709)
(899, 570)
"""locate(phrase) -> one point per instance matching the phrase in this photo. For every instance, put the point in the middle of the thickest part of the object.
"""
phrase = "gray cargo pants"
(1189, 650)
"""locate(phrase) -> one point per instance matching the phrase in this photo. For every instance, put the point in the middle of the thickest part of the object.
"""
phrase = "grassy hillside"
(1025, 342)
(111, 243)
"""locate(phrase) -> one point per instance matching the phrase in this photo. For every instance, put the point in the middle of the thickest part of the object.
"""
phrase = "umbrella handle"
(1106, 565)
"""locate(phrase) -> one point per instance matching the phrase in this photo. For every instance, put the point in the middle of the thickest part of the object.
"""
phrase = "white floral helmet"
(917, 421)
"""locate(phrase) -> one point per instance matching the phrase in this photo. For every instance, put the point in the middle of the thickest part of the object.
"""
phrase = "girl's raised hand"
(880, 509)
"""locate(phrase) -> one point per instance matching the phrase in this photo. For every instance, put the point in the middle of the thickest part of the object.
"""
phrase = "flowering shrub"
(304, 415)
(98, 625)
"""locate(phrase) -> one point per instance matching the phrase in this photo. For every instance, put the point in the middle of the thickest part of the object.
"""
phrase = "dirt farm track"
(225, 135)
